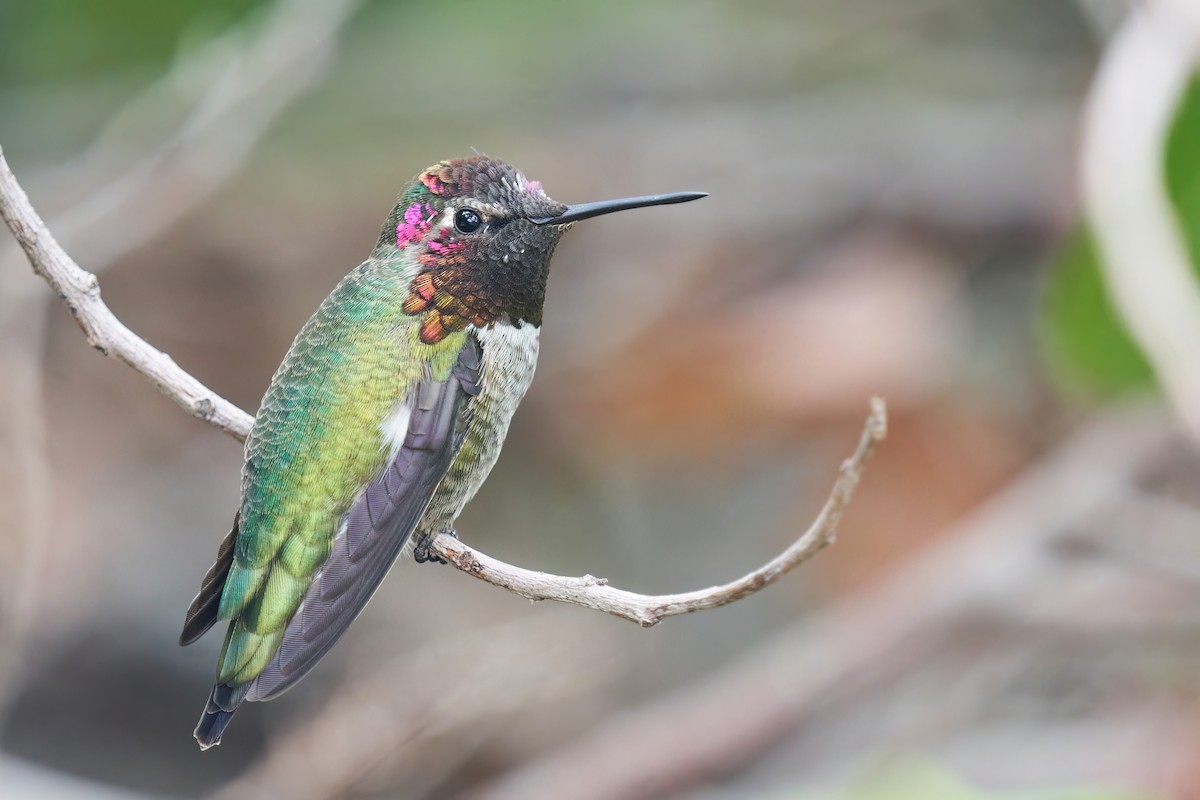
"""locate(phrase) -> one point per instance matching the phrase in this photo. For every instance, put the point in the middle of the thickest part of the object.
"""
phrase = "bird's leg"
(421, 552)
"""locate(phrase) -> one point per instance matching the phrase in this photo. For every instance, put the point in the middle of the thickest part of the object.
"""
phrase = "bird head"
(482, 236)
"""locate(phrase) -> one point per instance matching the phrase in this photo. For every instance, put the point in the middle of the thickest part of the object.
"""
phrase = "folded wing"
(374, 531)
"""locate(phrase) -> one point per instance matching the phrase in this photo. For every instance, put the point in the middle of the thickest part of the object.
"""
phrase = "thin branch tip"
(877, 422)
(649, 610)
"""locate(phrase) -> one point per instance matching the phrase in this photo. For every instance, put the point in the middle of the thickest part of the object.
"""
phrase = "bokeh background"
(1012, 607)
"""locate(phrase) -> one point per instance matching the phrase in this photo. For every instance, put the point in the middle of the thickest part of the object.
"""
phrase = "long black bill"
(587, 210)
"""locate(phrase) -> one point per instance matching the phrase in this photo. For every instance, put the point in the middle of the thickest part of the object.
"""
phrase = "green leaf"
(1183, 168)
(1082, 337)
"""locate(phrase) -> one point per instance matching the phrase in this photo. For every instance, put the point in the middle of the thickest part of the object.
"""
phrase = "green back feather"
(316, 442)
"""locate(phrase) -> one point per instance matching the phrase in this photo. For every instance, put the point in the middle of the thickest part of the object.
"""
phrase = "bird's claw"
(422, 551)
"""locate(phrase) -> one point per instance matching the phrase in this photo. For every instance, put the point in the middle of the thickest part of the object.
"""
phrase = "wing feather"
(202, 613)
(375, 529)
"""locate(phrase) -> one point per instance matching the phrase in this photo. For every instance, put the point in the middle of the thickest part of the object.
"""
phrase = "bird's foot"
(421, 550)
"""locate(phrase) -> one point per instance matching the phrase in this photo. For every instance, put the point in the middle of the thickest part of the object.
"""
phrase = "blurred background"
(1013, 607)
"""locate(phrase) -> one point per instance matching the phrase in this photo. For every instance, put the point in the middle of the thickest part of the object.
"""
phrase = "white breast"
(509, 358)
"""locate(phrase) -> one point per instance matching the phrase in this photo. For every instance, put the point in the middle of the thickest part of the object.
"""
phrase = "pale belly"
(509, 357)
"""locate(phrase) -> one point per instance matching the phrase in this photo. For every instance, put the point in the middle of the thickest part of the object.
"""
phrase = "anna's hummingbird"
(383, 420)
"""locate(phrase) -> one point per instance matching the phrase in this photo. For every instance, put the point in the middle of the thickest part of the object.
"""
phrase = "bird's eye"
(467, 220)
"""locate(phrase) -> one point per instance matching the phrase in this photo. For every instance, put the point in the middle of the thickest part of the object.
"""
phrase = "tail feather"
(202, 613)
(222, 704)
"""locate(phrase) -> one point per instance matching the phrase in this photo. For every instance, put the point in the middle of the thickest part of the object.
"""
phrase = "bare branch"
(648, 610)
(80, 291)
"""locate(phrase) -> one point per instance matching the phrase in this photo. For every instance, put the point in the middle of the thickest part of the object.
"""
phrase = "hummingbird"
(383, 420)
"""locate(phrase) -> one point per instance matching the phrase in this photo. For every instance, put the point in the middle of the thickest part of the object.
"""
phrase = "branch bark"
(80, 291)
(649, 610)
